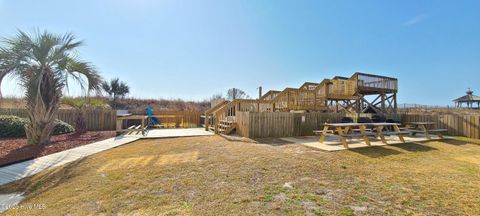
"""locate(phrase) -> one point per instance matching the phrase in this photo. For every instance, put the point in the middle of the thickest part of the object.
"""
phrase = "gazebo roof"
(469, 97)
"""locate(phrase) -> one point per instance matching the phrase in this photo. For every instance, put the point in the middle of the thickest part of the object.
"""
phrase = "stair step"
(227, 122)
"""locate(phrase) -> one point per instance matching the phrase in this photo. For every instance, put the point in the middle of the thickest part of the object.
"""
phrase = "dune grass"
(210, 175)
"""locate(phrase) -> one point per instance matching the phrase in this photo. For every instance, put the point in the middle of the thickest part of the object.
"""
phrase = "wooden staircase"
(221, 118)
(218, 121)
(226, 126)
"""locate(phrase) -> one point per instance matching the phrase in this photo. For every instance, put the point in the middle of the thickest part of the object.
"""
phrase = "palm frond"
(88, 71)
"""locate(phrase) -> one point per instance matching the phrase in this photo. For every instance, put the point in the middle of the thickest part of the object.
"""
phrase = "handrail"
(230, 109)
(216, 107)
(211, 111)
(271, 92)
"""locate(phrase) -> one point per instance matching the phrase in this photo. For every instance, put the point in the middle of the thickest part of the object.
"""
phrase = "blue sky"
(194, 49)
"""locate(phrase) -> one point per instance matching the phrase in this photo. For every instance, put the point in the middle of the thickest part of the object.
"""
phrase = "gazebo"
(468, 99)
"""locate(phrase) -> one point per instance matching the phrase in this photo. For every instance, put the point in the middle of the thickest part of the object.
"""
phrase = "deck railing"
(228, 110)
(372, 82)
(296, 99)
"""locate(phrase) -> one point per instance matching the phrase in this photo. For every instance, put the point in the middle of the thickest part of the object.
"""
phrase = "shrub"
(62, 127)
(80, 122)
(13, 126)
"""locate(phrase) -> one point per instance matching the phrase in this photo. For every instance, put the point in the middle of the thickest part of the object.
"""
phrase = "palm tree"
(43, 64)
(115, 89)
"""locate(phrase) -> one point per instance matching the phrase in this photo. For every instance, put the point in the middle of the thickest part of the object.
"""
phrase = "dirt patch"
(16, 149)
(273, 141)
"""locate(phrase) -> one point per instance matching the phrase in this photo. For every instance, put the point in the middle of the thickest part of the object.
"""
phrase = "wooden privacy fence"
(284, 124)
(457, 125)
(97, 119)
(105, 119)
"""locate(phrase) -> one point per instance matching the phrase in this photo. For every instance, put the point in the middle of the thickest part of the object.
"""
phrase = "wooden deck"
(337, 95)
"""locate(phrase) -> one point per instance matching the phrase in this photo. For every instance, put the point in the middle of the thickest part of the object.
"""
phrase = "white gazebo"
(472, 101)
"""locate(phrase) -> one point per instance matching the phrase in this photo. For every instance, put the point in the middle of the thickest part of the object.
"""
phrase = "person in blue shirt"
(152, 120)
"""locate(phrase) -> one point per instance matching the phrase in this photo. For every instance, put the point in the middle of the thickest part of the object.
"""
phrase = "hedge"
(13, 126)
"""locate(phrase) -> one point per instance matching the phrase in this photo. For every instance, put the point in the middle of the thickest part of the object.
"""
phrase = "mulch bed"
(16, 149)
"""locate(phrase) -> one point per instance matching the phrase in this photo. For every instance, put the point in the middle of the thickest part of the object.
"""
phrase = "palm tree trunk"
(42, 105)
(41, 124)
(39, 132)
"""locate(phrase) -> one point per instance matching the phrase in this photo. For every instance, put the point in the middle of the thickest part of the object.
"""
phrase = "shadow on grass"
(383, 151)
(43, 181)
(376, 151)
(273, 141)
(461, 141)
(414, 147)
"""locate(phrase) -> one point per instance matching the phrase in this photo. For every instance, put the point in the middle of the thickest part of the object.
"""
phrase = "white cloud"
(415, 20)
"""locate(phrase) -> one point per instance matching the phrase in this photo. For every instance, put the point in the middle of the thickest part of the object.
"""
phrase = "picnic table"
(144, 122)
(347, 130)
(133, 128)
(167, 116)
(425, 128)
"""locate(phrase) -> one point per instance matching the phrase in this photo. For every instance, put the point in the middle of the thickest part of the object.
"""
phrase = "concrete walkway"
(8, 201)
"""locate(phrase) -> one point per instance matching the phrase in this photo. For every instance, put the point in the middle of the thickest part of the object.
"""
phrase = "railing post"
(119, 124)
(207, 119)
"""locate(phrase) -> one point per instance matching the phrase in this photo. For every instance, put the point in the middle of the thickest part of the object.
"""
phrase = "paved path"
(8, 201)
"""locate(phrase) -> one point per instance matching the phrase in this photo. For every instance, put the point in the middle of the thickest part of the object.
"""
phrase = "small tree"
(116, 89)
(44, 63)
(235, 93)
(80, 116)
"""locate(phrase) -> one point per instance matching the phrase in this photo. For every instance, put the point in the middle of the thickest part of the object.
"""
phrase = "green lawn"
(210, 175)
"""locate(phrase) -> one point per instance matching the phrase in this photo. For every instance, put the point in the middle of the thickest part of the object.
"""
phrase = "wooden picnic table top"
(384, 124)
(420, 123)
(167, 115)
(131, 117)
(146, 116)
(342, 124)
(359, 124)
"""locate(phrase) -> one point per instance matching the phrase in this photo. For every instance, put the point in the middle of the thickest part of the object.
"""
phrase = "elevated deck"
(339, 94)
(369, 84)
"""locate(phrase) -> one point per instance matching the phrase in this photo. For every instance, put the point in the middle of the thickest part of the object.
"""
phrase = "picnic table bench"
(423, 127)
(134, 128)
(165, 124)
(145, 122)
